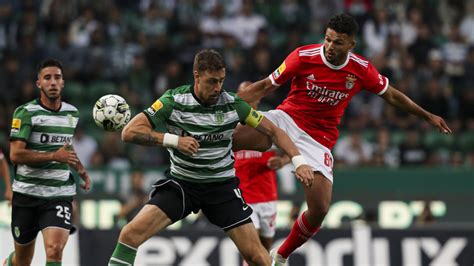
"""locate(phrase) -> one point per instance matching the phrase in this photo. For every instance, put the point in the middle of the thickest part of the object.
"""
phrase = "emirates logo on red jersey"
(325, 95)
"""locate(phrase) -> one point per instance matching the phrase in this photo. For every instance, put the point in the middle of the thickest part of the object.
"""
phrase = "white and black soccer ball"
(111, 112)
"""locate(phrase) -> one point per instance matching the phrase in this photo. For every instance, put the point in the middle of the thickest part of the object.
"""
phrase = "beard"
(50, 96)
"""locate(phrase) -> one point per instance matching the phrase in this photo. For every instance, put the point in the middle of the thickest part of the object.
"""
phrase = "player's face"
(336, 46)
(51, 82)
(209, 85)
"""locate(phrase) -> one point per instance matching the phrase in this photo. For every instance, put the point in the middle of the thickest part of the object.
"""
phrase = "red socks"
(300, 233)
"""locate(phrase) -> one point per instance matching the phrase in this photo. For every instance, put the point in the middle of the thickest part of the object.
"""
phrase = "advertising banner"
(358, 246)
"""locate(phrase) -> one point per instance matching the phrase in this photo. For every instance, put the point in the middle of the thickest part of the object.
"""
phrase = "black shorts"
(31, 214)
(221, 202)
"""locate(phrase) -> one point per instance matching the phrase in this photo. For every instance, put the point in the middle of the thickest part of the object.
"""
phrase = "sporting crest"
(219, 117)
(350, 81)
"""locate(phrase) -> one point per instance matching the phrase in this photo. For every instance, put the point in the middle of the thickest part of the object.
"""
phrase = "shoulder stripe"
(358, 60)
(310, 53)
(310, 50)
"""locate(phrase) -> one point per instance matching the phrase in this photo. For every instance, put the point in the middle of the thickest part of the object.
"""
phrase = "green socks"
(123, 255)
(10, 259)
(55, 263)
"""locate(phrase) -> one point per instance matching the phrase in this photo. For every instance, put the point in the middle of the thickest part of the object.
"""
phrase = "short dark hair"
(343, 23)
(208, 59)
(49, 63)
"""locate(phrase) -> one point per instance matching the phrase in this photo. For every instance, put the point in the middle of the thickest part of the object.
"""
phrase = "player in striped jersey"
(324, 78)
(200, 120)
(43, 187)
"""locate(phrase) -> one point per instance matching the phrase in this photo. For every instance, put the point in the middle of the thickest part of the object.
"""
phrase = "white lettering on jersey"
(325, 95)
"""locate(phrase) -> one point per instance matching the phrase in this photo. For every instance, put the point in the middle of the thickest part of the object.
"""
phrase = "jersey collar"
(331, 66)
(47, 108)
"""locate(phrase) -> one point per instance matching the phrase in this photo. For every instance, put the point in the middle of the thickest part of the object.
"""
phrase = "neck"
(50, 103)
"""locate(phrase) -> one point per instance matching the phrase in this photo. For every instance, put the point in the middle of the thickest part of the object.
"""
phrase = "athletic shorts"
(31, 215)
(221, 202)
(264, 217)
(317, 156)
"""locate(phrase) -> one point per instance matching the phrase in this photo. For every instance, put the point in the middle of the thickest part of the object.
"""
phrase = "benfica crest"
(350, 81)
(219, 117)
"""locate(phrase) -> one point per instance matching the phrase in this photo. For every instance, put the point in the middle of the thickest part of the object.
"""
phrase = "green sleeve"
(21, 124)
(242, 108)
(160, 110)
(247, 115)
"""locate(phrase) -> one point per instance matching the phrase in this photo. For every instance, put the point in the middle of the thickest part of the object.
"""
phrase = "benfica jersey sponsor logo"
(324, 94)
(350, 81)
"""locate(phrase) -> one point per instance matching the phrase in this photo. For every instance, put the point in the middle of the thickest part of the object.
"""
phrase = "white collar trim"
(331, 65)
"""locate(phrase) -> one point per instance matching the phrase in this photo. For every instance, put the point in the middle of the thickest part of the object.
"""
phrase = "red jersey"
(257, 181)
(320, 91)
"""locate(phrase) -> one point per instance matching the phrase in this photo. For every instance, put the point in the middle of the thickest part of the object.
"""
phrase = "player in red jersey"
(324, 79)
(256, 172)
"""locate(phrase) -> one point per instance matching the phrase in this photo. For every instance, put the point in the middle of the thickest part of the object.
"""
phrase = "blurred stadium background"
(403, 193)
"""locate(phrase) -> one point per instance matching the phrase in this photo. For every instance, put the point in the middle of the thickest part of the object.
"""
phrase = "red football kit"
(320, 91)
(257, 181)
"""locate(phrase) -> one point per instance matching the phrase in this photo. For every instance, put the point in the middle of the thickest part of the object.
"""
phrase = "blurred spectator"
(467, 22)
(114, 152)
(245, 26)
(385, 153)
(135, 199)
(154, 21)
(454, 53)
(360, 9)
(376, 32)
(466, 108)
(213, 26)
(409, 28)
(81, 28)
(412, 150)
(435, 99)
(353, 150)
(422, 45)
(84, 145)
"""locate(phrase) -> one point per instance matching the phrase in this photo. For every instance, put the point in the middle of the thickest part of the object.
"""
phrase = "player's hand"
(304, 173)
(8, 195)
(277, 162)
(439, 123)
(66, 154)
(188, 145)
(85, 177)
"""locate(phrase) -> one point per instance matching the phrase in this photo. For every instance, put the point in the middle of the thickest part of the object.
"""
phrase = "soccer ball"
(111, 112)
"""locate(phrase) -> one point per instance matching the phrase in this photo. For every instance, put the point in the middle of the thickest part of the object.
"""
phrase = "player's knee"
(130, 235)
(54, 251)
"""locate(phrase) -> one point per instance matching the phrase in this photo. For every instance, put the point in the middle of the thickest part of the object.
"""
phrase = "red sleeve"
(287, 70)
(374, 81)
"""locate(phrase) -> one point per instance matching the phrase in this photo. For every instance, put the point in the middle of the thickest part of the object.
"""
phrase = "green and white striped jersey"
(44, 130)
(212, 126)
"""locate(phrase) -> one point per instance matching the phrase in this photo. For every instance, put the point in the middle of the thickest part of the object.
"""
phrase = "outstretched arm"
(401, 101)
(257, 90)
(140, 131)
(304, 172)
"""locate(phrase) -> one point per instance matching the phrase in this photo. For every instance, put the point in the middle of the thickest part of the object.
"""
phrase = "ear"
(38, 84)
(353, 43)
(196, 76)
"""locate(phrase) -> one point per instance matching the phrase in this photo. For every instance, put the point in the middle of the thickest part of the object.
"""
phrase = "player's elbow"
(14, 158)
(127, 134)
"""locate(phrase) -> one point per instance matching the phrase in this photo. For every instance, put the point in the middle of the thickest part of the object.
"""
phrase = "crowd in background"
(139, 49)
